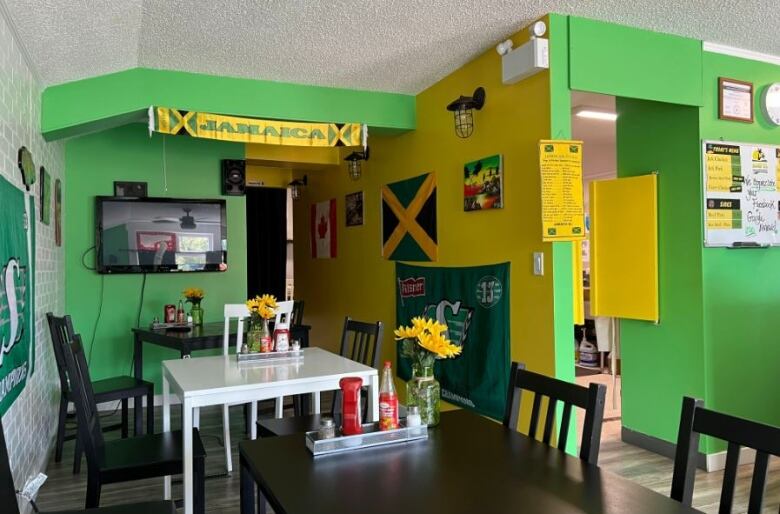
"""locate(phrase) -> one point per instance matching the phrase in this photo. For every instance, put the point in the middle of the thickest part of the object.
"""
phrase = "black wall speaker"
(233, 177)
(132, 189)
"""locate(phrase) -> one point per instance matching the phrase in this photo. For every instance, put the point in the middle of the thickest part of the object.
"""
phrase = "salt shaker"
(327, 428)
(413, 418)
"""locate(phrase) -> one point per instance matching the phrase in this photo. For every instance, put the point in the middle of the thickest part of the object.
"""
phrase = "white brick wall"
(30, 423)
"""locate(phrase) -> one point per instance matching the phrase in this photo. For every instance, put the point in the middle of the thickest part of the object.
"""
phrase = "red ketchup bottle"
(350, 405)
(388, 401)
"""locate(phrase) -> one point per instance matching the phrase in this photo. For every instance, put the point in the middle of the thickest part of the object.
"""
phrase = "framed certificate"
(735, 100)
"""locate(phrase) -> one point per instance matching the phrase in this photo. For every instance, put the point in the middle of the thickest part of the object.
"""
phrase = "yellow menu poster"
(560, 165)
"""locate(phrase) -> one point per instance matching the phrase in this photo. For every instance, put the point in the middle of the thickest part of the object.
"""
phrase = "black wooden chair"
(297, 313)
(121, 460)
(738, 432)
(361, 342)
(107, 390)
(10, 504)
(591, 399)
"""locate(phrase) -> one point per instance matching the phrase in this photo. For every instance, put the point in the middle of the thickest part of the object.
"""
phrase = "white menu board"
(740, 194)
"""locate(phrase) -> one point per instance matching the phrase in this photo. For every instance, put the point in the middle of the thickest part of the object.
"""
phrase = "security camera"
(504, 47)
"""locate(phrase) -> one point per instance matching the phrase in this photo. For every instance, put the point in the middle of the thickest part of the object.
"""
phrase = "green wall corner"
(107, 101)
(192, 170)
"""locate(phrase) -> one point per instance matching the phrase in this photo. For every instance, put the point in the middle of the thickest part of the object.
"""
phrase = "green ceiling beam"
(107, 101)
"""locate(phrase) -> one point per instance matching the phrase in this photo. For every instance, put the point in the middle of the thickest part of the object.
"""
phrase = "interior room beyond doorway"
(594, 122)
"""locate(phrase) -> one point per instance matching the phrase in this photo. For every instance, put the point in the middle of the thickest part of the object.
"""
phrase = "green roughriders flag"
(17, 326)
(474, 304)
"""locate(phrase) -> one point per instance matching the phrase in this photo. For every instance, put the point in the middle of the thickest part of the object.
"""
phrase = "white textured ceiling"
(387, 45)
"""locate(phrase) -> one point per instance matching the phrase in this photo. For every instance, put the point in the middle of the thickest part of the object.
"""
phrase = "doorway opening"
(269, 227)
(596, 342)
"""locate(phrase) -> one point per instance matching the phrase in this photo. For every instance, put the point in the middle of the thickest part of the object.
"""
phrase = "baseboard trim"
(707, 462)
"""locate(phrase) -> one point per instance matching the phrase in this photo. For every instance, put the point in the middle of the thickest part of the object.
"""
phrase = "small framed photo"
(735, 100)
(354, 206)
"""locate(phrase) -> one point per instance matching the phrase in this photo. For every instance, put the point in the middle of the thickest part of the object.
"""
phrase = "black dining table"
(469, 464)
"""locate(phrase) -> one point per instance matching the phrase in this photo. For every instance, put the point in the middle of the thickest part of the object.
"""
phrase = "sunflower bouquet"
(194, 295)
(424, 341)
(262, 307)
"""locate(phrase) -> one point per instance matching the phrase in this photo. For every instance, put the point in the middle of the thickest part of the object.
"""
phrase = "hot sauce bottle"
(388, 401)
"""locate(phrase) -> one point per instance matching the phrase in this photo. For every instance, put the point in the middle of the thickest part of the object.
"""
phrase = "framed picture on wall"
(45, 200)
(735, 100)
(483, 184)
(353, 203)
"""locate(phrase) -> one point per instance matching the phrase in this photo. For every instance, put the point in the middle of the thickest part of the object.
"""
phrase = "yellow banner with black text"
(252, 130)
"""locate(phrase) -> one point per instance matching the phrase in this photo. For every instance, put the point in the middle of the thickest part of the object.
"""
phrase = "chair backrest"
(297, 314)
(284, 314)
(7, 488)
(61, 331)
(83, 396)
(591, 399)
(238, 311)
(738, 432)
(361, 342)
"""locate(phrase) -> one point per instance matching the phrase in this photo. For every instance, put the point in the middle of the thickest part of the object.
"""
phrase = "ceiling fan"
(185, 222)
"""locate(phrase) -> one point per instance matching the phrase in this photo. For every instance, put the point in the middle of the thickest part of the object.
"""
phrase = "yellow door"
(624, 247)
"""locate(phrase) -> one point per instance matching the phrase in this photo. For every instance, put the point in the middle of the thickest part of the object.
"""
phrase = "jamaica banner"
(252, 130)
(474, 304)
(17, 250)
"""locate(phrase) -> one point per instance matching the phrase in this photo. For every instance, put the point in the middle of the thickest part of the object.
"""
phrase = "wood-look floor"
(63, 490)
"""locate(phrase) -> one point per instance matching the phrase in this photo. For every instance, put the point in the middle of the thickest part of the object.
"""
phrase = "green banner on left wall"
(17, 311)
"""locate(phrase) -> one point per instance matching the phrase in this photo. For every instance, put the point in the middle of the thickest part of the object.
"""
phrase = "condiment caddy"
(320, 444)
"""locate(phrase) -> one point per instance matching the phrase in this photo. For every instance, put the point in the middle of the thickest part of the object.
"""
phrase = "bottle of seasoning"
(170, 313)
(350, 408)
(180, 313)
(388, 401)
(327, 428)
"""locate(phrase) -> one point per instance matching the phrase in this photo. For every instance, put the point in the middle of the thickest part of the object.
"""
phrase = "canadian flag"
(323, 230)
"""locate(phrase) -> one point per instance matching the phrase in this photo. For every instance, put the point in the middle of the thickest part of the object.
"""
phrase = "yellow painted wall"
(360, 283)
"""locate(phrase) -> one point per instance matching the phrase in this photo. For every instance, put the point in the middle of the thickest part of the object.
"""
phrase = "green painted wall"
(625, 61)
(92, 164)
(107, 101)
(741, 288)
(663, 362)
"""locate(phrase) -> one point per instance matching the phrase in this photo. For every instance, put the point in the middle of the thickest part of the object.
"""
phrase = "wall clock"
(770, 103)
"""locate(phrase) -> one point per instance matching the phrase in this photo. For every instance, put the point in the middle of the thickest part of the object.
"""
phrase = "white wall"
(30, 422)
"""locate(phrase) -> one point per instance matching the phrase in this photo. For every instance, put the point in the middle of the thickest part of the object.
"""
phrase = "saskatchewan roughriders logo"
(455, 315)
(13, 312)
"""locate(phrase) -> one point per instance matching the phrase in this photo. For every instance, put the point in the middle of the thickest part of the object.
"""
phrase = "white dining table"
(219, 380)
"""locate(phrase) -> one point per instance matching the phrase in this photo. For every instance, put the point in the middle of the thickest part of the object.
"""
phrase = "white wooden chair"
(239, 312)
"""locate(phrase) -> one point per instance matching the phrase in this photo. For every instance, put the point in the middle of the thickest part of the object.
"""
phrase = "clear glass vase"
(197, 314)
(424, 391)
(258, 337)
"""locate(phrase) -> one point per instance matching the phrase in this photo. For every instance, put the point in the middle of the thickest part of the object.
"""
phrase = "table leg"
(247, 489)
(373, 397)
(253, 420)
(279, 410)
(187, 475)
(138, 372)
(315, 397)
(166, 392)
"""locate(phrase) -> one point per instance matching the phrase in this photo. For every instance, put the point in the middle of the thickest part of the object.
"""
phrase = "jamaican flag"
(17, 324)
(409, 219)
(474, 304)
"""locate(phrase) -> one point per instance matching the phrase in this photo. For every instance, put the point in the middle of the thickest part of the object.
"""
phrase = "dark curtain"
(266, 241)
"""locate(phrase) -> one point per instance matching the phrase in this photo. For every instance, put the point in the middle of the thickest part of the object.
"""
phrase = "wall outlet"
(539, 263)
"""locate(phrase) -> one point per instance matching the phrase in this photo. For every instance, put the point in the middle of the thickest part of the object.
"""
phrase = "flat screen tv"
(160, 235)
